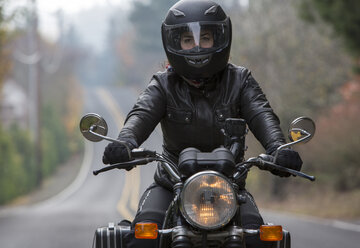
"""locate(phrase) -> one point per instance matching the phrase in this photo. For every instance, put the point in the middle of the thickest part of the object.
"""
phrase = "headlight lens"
(208, 200)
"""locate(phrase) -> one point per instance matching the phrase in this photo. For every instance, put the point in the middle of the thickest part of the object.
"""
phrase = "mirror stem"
(308, 135)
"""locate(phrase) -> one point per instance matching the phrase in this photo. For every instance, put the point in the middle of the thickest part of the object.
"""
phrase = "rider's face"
(206, 40)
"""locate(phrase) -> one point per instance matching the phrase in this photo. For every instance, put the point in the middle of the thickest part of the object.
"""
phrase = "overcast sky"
(73, 6)
(47, 8)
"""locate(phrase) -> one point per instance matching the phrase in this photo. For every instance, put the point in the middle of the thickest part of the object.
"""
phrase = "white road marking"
(63, 195)
(77, 183)
(348, 226)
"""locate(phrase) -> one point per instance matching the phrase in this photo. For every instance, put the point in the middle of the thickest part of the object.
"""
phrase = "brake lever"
(284, 169)
(125, 165)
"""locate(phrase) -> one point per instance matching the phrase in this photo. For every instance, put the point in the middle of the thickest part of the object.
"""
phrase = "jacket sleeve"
(145, 115)
(259, 115)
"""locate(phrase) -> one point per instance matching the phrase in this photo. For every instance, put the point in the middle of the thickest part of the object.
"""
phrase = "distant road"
(70, 219)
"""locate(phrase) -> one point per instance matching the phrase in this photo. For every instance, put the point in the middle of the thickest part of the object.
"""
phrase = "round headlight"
(208, 200)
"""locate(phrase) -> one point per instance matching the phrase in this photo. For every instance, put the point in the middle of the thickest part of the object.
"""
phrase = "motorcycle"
(205, 211)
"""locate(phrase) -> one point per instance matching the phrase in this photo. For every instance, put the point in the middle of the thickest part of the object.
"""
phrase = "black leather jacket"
(193, 117)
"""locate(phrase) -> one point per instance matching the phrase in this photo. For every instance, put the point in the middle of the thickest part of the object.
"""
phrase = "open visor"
(196, 38)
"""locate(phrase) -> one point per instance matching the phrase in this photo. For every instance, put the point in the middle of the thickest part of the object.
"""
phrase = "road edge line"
(76, 184)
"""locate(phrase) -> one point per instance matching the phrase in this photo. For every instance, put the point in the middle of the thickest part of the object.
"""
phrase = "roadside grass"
(304, 197)
(334, 205)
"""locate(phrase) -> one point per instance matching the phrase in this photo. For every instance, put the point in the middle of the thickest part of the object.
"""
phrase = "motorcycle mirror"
(302, 128)
(93, 127)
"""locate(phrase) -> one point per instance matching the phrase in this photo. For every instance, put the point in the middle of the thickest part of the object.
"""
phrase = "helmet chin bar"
(198, 61)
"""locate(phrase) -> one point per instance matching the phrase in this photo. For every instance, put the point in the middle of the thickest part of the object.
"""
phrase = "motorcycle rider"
(191, 100)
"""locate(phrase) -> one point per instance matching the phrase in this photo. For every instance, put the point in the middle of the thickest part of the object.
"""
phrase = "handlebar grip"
(142, 153)
(266, 157)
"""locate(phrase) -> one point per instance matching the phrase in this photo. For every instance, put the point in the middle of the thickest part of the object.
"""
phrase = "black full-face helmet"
(196, 36)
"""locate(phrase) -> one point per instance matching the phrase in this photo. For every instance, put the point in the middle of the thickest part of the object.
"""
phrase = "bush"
(12, 173)
(334, 153)
(19, 171)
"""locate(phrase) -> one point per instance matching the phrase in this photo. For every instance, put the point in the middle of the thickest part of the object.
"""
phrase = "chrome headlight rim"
(182, 195)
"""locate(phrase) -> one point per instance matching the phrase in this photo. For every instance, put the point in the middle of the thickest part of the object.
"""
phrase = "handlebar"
(264, 161)
(125, 165)
(143, 156)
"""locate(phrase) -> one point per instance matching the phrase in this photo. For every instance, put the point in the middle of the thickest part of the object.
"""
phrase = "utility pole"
(32, 59)
(34, 89)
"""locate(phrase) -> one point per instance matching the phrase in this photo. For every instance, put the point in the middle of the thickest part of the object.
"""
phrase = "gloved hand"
(116, 153)
(287, 158)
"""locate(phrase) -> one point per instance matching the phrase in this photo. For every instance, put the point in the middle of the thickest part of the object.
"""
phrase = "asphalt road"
(70, 218)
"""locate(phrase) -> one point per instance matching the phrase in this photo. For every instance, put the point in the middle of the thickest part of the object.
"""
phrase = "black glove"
(287, 158)
(116, 153)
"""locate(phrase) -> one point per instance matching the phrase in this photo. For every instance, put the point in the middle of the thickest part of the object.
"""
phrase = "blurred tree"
(109, 63)
(344, 18)
(62, 96)
(61, 105)
(5, 64)
(289, 58)
(24, 147)
(12, 172)
(15, 178)
(338, 143)
(148, 54)
(147, 19)
(298, 67)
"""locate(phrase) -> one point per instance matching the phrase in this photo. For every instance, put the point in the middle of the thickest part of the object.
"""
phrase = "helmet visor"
(196, 38)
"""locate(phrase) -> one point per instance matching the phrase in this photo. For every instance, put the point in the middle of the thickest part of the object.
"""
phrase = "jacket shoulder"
(164, 77)
(235, 76)
(241, 71)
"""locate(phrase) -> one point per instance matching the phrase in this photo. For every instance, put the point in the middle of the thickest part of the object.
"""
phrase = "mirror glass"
(299, 125)
(96, 123)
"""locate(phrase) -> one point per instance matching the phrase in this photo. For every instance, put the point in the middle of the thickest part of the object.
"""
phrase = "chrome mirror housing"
(302, 128)
(93, 127)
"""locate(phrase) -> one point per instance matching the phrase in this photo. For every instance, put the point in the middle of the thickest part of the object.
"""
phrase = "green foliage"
(12, 172)
(24, 147)
(54, 145)
(342, 15)
(22, 164)
(1, 11)
(18, 170)
(4, 56)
